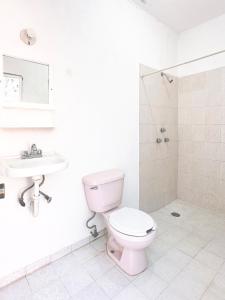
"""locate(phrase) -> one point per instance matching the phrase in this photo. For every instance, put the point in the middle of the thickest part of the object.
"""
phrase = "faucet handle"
(24, 154)
(34, 147)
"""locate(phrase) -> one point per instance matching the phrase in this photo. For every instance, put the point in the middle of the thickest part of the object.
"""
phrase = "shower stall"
(182, 135)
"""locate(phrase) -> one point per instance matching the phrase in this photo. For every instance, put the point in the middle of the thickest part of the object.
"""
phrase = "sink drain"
(175, 214)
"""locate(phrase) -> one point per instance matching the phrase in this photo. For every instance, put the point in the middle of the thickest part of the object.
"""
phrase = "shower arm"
(167, 77)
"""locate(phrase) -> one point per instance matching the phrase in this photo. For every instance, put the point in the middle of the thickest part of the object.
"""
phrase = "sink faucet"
(33, 150)
(34, 153)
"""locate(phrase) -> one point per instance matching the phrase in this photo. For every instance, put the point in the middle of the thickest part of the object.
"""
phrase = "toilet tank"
(103, 190)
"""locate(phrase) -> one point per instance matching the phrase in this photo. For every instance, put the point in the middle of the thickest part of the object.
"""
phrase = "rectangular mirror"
(25, 83)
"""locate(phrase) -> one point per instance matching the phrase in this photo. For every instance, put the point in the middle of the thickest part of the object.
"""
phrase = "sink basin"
(17, 167)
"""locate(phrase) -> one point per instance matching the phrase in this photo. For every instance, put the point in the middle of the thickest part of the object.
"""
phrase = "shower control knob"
(162, 129)
(166, 140)
(158, 140)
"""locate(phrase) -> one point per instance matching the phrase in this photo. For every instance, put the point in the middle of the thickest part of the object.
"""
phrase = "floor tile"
(113, 282)
(41, 278)
(54, 291)
(191, 244)
(157, 249)
(172, 237)
(199, 272)
(150, 284)
(217, 247)
(211, 295)
(165, 269)
(218, 284)
(178, 258)
(207, 231)
(171, 294)
(91, 292)
(76, 281)
(162, 226)
(188, 288)
(99, 265)
(66, 265)
(130, 293)
(99, 244)
(85, 253)
(184, 210)
(209, 260)
(193, 281)
(170, 265)
(18, 290)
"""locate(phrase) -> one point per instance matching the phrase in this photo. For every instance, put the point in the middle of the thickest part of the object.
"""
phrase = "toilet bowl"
(130, 231)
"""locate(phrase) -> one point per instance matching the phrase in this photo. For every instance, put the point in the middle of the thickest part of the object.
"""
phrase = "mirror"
(25, 83)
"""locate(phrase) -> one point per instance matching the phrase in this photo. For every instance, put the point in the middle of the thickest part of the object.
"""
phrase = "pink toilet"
(130, 230)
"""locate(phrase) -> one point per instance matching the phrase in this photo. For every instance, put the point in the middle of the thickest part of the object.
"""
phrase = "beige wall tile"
(214, 97)
(213, 133)
(185, 133)
(185, 100)
(198, 98)
(192, 165)
(147, 152)
(222, 152)
(201, 175)
(198, 133)
(185, 116)
(198, 115)
(213, 151)
(222, 171)
(213, 115)
(199, 150)
(222, 115)
(158, 162)
(212, 168)
(145, 115)
(147, 133)
(222, 132)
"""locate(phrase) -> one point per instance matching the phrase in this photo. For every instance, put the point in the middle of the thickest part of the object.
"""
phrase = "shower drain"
(175, 214)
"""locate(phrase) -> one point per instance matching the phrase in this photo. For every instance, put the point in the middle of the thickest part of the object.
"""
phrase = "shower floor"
(187, 262)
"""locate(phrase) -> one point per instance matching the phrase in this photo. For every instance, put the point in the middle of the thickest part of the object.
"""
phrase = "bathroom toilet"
(130, 231)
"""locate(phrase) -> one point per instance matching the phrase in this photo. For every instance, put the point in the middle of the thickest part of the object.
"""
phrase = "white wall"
(95, 48)
(199, 41)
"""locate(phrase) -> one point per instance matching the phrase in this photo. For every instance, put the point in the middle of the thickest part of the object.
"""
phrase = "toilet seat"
(131, 221)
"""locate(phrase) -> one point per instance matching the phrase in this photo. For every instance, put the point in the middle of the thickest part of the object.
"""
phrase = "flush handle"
(94, 187)
(150, 230)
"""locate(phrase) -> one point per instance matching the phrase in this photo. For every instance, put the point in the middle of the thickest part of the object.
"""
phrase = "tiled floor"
(187, 262)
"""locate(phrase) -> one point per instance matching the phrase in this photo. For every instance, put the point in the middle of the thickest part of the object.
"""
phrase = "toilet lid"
(131, 221)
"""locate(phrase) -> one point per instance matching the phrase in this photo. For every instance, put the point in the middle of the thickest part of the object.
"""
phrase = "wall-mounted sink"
(17, 167)
(35, 165)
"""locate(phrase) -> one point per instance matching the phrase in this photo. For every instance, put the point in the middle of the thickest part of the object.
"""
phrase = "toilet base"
(130, 261)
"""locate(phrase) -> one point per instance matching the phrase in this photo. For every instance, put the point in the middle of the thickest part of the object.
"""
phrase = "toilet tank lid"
(103, 177)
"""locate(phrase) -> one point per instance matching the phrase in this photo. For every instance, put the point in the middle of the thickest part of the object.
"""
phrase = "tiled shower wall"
(201, 176)
(158, 162)
(198, 101)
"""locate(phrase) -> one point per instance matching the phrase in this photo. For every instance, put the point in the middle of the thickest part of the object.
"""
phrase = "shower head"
(167, 77)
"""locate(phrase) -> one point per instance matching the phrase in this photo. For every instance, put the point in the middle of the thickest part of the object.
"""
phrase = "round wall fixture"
(28, 36)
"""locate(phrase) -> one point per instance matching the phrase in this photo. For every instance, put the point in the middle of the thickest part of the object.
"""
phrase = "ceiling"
(181, 15)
